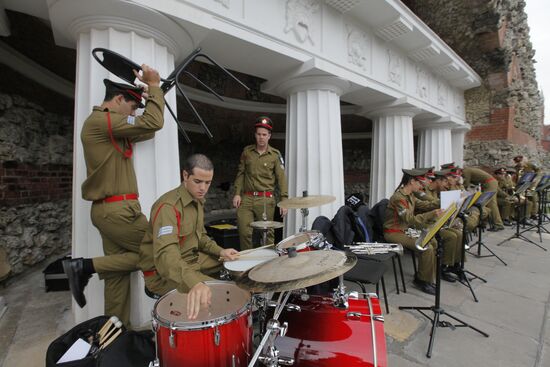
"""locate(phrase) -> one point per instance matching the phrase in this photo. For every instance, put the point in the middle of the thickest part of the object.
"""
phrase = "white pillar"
(314, 159)
(156, 161)
(457, 137)
(392, 150)
(434, 146)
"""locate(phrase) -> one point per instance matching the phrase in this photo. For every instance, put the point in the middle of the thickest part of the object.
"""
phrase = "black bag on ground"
(129, 349)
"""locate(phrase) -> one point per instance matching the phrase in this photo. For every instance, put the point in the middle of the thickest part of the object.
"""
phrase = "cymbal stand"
(519, 234)
(305, 213)
(479, 242)
(436, 309)
(266, 352)
(264, 218)
(463, 273)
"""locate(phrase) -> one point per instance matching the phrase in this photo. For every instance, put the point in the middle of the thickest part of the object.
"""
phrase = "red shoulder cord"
(178, 221)
(128, 152)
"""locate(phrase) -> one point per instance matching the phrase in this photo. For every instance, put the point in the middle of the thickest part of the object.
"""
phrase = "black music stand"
(480, 204)
(542, 191)
(519, 235)
(436, 308)
(123, 68)
(462, 272)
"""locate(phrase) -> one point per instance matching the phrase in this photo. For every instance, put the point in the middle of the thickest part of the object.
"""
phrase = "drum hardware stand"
(436, 309)
(305, 213)
(155, 326)
(479, 242)
(518, 234)
(340, 297)
(270, 356)
(264, 218)
(463, 273)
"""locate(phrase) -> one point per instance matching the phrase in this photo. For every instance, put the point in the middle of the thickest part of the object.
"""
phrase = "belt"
(391, 230)
(268, 194)
(114, 198)
(149, 273)
(490, 179)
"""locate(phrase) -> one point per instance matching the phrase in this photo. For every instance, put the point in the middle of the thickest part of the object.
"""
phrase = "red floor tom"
(220, 336)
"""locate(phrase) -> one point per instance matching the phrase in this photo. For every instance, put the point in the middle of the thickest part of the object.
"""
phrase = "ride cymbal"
(306, 201)
(286, 273)
(266, 224)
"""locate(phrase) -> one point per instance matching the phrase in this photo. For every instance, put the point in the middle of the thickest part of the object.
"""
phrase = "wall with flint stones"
(35, 172)
(506, 111)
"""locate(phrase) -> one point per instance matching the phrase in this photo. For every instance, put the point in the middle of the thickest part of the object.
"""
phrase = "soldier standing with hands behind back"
(261, 169)
(107, 137)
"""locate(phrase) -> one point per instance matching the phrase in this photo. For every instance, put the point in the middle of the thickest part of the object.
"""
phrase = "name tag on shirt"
(131, 120)
(165, 230)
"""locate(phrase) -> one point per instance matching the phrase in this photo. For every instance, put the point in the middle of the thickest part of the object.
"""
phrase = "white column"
(392, 150)
(434, 147)
(457, 137)
(156, 161)
(314, 159)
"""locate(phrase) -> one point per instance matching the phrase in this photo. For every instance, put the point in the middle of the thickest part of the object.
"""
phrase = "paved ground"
(514, 308)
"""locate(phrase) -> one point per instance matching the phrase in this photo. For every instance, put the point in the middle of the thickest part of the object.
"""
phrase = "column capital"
(289, 86)
(461, 129)
(408, 111)
(69, 18)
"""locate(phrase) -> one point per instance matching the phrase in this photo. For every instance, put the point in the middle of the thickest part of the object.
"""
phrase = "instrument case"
(55, 278)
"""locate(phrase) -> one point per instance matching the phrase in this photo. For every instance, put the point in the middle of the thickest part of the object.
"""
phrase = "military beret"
(265, 122)
(127, 90)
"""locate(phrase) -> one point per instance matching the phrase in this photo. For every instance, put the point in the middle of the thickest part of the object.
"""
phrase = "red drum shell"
(321, 335)
(194, 342)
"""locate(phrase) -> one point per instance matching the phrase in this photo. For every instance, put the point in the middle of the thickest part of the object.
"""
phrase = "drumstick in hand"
(254, 249)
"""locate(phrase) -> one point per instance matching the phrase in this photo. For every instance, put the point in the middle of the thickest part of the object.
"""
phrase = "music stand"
(422, 242)
(482, 200)
(463, 216)
(519, 235)
(541, 191)
(123, 68)
(527, 177)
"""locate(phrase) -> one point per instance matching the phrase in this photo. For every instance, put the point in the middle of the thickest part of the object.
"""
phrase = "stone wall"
(35, 176)
(506, 111)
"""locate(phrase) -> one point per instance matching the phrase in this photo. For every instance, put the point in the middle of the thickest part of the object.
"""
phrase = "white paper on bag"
(449, 197)
(78, 350)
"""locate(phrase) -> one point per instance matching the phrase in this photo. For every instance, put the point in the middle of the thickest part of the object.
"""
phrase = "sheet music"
(449, 197)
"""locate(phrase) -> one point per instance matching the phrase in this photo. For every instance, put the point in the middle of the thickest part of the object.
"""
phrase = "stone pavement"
(513, 308)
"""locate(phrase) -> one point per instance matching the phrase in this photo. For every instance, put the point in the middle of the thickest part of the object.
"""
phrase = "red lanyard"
(128, 152)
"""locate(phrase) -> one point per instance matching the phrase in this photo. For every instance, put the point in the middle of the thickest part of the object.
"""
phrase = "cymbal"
(306, 201)
(266, 224)
(286, 273)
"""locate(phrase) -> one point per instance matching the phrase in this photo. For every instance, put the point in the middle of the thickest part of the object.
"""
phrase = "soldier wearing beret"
(261, 170)
(108, 136)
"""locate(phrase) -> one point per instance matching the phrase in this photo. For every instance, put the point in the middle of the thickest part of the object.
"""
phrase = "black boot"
(424, 286)
(78, 279)
(447, 274)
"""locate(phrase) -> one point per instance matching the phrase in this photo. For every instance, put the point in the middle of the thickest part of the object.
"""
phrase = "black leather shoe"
(424, 286)
(74, 268)
(446, 275)
(507, 223)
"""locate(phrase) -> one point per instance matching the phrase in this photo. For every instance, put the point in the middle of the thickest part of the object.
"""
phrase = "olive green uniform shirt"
(174, 250)
(261, 172)
(400, 214)
(109, 172)
(476, 176)
(427, 200)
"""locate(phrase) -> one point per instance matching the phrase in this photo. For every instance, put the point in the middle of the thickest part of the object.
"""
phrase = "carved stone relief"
(358, 47)
(395, 67)
(422, 84)
(299, 15)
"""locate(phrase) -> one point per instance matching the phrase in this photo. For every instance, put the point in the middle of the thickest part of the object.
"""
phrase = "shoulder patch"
(282, 161)
(131, 120)
(165, 230)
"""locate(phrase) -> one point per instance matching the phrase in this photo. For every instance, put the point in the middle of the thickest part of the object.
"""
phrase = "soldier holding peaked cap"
(108, 135)
(261, 170)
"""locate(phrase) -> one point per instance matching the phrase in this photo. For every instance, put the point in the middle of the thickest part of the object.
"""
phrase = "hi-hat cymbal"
(286, 273)
(266, 224)
(306, 201)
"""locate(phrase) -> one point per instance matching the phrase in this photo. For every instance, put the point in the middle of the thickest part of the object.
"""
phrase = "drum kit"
(267, 301)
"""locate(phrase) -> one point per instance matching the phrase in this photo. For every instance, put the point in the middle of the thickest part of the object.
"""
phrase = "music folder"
(434, 228)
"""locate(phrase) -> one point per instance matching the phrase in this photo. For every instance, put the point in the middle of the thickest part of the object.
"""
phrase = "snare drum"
(220, 336)
(303, 241)
(237, 267)
(322, 335)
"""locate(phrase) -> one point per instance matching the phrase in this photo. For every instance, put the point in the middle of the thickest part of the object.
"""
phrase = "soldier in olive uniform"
(455, 182)
(504, 198)
(488, 183)
(261, 169)
(107, 137)
(523, 166)
(400, 216)
(451, 237)
(176, 252)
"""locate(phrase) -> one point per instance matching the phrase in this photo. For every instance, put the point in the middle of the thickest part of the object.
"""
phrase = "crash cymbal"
(266, 224)
(306, 201)
(286, 273)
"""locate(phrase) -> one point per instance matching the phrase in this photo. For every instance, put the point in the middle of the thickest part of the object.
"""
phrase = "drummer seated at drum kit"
(176, 252)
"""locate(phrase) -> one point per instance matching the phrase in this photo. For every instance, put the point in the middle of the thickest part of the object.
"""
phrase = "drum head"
(250, 260)
(301, 240)
(228, 302)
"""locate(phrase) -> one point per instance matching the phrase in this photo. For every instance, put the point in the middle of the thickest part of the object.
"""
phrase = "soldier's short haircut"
(197, 161)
